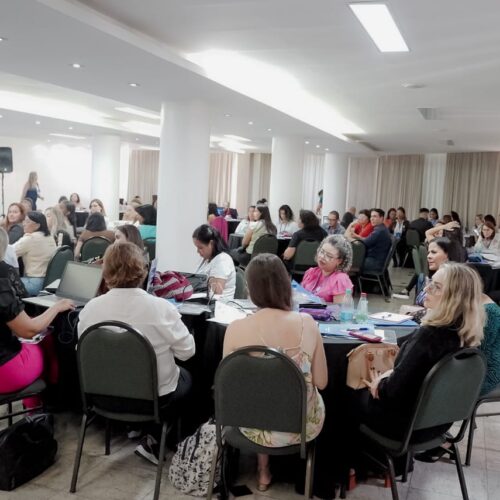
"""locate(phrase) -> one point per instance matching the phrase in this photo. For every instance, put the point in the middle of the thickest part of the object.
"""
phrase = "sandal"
(263, 486)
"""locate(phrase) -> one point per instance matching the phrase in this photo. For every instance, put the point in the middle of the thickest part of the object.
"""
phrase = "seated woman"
(329, 280)
(68, 210)
(96, 226)
(146, 216)
(491, 345)
(36, 247)
(128, 232)
(390, 219)
(286, 225)
(263, 225)
(57, 227)
(433, 216)
(217, 264)
(155, 318)
(399, 227)
(97, 207)
(75, 199)
(295, 334)
(309, 230)
(362, 226)
(454, 319)
(245, 223)
(213, 212)
(13, 223)
(21, 364)
(489, 240)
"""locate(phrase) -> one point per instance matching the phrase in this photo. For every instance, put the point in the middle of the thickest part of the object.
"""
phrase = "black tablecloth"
(236, 239)
(232, 225)
(332, 444)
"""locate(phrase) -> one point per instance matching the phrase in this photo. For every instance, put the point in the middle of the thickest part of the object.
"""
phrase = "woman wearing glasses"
(329, 280)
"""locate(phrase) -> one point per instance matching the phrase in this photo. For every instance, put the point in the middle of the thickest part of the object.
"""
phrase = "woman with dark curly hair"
(329, 280)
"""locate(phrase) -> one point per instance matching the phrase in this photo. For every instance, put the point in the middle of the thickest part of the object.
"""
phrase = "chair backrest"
(358, 255)
(94, 247)
(57, 264)
(305, 255)
(115, 360)
(267, 243)
(150, 246)
(417, 263)
(261, 388)
(220, 223)
(241, 291)
(449, 391)
(422, 250)
(412, 238)
(390, 253)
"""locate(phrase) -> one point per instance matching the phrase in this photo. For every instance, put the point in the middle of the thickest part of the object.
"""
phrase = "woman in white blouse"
(36, 248)
(217, 263)
(286, 225)
(489, 240)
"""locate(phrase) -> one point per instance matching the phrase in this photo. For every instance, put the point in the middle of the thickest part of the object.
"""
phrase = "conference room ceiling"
(453, 59)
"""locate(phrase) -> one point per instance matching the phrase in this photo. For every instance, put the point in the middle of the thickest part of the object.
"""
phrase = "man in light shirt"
(333, 225)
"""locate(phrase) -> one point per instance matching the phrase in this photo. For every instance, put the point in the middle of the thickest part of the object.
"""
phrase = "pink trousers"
(32, 362)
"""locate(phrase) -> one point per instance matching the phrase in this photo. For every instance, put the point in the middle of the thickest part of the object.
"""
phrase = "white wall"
(62, 169)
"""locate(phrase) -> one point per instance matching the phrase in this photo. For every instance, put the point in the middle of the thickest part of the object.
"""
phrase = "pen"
(357, 329)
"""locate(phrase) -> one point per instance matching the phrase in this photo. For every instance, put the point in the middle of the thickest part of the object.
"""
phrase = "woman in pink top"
(329, 280)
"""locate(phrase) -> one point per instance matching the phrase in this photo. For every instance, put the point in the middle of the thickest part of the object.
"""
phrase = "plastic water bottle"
(362, 310)
(347, 308)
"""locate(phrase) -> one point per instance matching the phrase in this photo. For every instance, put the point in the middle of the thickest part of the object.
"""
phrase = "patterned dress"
(315, 407)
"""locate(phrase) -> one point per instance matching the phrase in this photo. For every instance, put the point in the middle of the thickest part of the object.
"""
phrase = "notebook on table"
(79, 282)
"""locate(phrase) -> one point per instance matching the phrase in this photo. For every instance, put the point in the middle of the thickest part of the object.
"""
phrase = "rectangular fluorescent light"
(380, 25)
(138, 112)
(68, 136)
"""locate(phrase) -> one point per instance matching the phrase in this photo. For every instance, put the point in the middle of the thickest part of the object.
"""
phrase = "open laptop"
(79, 282)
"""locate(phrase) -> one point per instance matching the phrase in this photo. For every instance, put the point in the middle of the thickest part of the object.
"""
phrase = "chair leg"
(470, 439)
(161, 460)
(107, 438)
(392, 477)
(9, 409)
(308, 491)
(78, 455)
(212, 473)
(460, 471)
(409, 457)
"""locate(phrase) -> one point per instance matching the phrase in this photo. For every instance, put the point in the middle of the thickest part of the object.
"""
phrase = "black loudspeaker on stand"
(5, 168)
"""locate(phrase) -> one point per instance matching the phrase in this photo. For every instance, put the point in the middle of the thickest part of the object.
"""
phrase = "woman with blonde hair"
(57, 226)
(31, 189)
(455, 319)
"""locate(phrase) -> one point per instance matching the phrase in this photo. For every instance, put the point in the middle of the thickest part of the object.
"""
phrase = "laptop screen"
(80, 281)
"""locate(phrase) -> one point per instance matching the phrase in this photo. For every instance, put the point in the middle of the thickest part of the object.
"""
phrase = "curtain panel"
(312, 180)
(472, 185)
(362, 182)
(143, 174)
(220, 178)
(433, 181)
(260, 177)
(399, 183)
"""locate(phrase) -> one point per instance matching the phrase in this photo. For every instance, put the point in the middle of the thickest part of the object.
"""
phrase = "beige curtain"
(312, 180)
(472, 185)
(260, 176)
(399, 183)
(143, 174)
(219, 183)
(362, 182)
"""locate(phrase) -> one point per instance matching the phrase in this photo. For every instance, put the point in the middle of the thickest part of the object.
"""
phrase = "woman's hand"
(373, 386)
(451, 225)
(64, 305)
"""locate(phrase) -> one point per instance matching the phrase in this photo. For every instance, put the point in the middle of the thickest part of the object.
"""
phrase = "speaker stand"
(3, 197)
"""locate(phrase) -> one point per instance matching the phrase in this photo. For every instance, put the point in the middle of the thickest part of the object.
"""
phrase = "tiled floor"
(122, 475)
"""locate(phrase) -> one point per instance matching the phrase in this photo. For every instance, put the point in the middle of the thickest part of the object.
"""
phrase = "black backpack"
(27, 448)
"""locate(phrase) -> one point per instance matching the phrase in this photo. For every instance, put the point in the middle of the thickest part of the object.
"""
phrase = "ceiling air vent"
(358, 140)
(429, 113)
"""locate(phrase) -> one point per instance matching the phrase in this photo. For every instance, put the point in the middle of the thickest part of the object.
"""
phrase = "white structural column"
(182, 183)
(287, 165)
(335, 183)
(105, 184)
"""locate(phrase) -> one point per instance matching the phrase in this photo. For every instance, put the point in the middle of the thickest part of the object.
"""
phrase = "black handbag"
(27, 448)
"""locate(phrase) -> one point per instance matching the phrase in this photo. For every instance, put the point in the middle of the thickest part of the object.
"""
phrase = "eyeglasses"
(326, 255)
(432, 287)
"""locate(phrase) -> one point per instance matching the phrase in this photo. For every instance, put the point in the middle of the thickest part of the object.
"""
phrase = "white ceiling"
(453, 53)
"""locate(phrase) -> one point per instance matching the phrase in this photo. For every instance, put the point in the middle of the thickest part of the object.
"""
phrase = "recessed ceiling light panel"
(138, 112)
(380, 25)
(68, 136)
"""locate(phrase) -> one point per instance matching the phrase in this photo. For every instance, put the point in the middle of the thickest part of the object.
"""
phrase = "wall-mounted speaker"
(5, 160)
